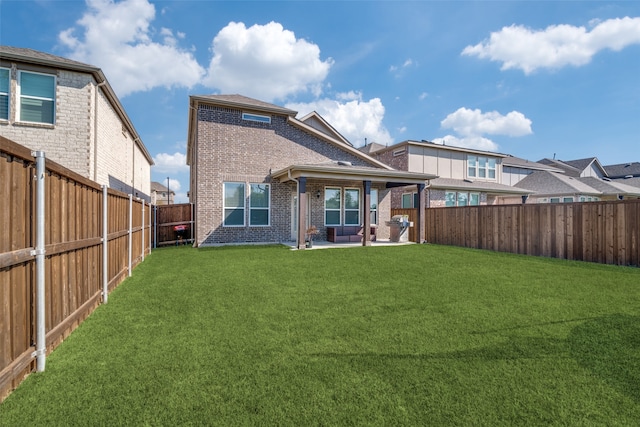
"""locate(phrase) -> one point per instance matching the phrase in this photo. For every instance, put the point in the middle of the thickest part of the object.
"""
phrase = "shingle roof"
(487, 187)
(544, 182)
(568, 169)
(581, 164)
(634, 182)
(611, 187)
(21, 53)
(623, 169)
(244, 101)
(527, 164)
(157, 187)
(371, 148)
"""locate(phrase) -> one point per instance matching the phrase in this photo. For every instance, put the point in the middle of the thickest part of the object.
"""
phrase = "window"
(481, 167)
(474, 199)
(567, 200)
(37, 97)
(259, 204)
(410, 200)
(449, 198)
(4, 94)
(234, 204)
(256, 118)
(554, 200)
(332, 206)
(373, 207)
(351, 206)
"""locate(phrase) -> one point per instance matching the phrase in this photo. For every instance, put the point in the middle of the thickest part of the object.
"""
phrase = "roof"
(425, 143)
(241, 101)
(345, 171)
(157, 187)
(634, 182)
(317, 121)
(568, 169)
(31, 56)
(517, 162)
(609, 187)
(481, 186)
(544, 182)
(371, 148)
(581, 164)
(623, 169)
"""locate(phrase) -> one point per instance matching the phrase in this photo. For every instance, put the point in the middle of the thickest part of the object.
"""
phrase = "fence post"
(105, 240)
(142, 236)
(130, 230)
(41, 343)
(155, 226)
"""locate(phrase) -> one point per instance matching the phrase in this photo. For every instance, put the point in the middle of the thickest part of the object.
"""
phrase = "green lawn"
(408, 335)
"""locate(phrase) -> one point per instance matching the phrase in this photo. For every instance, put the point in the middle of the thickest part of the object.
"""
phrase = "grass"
(412, 335)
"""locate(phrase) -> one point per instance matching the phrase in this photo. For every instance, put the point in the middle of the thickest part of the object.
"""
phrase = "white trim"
(268, 208)
(19, 97)
(8, 94)
(244, 204)
(344, 206)
(324, 211)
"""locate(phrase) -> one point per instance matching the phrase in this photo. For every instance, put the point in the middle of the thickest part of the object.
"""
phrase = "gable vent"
(344, 163)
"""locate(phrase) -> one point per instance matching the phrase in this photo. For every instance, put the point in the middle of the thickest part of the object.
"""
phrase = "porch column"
(302, 211)
(366, 232)
(420, 231)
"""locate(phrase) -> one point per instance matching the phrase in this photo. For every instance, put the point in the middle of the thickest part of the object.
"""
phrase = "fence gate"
(173, 224)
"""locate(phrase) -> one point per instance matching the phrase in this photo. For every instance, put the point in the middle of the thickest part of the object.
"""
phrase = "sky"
(533, 79)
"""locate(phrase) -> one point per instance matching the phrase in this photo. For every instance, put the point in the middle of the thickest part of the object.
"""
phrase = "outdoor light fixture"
(318, 194)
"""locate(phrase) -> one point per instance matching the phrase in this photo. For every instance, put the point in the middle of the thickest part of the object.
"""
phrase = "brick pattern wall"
(110, 157)
(231, 149)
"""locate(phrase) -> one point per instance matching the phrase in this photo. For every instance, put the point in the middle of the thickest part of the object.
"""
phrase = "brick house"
(258, 174)
(69, 110)
(465, 176)
(160, 195)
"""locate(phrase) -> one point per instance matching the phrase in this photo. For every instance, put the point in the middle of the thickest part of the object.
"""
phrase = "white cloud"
(475, 142)
(170, 163)
(354, 119)
(471, 125)
(423, 96)
(556, 46)
(266, 62)
(117, 37)
(474, 122)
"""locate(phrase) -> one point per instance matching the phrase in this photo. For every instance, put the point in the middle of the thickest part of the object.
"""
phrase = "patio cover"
(344, 171)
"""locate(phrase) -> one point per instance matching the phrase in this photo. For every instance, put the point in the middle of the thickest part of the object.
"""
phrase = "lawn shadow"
(609, 347)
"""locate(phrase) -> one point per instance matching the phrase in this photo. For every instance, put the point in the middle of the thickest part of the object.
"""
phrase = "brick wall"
(228, 148)
(111, 157)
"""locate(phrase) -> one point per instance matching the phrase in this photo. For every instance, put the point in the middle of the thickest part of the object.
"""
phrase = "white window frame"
(485, 172)
(268, 208)
(19, 97)
(225, 207)
(7, 93)
(373, 206)
(339, 209)
(256, 118)
(413, 203)
(345, 209)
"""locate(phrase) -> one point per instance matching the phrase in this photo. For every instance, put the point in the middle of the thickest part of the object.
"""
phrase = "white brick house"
(69, 110)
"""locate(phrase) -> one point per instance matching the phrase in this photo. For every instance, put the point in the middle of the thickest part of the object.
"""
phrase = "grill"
(399, 228)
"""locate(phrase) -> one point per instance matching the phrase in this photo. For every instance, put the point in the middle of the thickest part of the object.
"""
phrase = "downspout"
(95, 134)
(41, 343)
(298, 198)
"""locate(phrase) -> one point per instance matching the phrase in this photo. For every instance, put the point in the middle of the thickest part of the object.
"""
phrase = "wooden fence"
(74, 248)
(169, 216)
(604, 232)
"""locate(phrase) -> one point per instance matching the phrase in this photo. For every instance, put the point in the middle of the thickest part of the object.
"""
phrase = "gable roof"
(480, 186)
(545, 182)
(623, 170)
(31, 56)
(240, 102)
(568, 169)
(315, 120)
(517, 162)
(157, 187)
(611, 187)
(425, 143)
(371, 148)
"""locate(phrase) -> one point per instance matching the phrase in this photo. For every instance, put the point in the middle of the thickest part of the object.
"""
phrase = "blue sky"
(531, 79)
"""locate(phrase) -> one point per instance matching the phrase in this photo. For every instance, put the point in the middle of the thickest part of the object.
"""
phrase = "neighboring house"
(258, 174)
(582, 180)
(160, 195)
(515, 169)
(465, 176)
(627, 173)
(69, 110)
